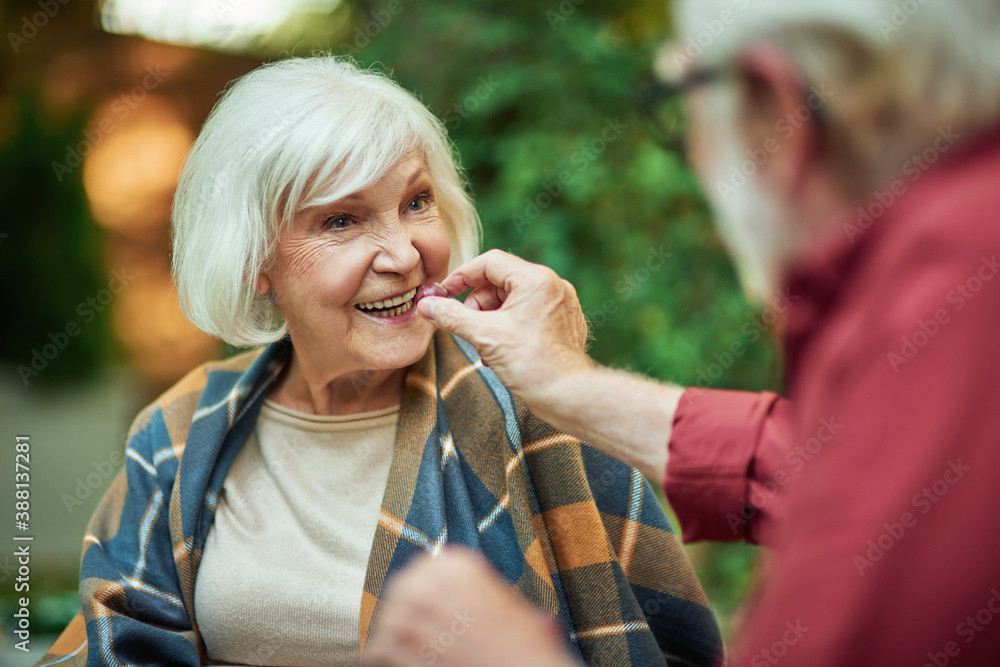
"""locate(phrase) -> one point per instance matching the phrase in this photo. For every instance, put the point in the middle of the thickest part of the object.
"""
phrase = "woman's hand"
(455, 611)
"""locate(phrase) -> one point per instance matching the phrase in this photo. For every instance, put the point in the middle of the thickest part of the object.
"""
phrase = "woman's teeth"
(389, 307)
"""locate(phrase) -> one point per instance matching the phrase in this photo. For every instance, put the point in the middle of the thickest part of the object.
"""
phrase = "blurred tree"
(50, 257)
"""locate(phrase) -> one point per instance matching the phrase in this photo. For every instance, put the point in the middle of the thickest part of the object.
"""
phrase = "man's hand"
(455, 611)
(536, 332)
(527, 325)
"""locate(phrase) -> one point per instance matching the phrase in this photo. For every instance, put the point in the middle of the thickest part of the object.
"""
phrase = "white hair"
(751, 223)
(900, 69)
(289, 135)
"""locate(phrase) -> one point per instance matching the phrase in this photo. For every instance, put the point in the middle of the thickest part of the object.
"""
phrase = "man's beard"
(750, 220)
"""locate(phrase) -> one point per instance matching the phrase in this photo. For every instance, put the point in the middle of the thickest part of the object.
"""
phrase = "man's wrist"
(557, 392)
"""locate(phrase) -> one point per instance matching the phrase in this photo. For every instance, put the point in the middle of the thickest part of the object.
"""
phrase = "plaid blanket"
(577, 532)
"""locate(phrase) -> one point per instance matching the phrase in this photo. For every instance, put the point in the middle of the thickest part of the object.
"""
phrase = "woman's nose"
(396, 252)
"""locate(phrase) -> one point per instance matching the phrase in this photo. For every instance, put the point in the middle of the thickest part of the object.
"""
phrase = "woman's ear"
(263, 284)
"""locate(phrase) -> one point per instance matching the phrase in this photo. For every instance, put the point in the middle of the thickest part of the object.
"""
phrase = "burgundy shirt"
(877, 483)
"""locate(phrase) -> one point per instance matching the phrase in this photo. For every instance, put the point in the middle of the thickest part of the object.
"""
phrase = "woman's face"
(339, 269)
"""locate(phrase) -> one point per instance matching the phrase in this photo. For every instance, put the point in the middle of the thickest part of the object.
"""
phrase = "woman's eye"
(419, 203)
(337, 222)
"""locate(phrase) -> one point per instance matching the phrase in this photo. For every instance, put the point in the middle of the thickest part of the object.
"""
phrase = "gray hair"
(900, 71)
(287, 136)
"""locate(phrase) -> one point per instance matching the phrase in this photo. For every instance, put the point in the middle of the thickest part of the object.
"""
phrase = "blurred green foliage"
(50, 260)
(534, 91)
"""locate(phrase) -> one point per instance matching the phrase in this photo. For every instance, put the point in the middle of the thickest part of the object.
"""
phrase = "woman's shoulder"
(177, 404)
(196, 379)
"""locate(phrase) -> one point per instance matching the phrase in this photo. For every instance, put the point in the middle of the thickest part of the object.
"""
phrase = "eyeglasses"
(662, 104)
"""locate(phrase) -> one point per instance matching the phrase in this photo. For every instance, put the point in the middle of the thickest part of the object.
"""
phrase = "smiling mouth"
(389, 307)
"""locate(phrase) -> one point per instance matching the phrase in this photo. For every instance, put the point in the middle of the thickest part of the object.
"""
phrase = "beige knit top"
(284, 563)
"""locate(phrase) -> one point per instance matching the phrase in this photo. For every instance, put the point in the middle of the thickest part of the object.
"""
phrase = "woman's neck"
(348, 393)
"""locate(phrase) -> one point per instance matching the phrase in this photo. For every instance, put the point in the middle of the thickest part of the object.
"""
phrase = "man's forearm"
(624, 415)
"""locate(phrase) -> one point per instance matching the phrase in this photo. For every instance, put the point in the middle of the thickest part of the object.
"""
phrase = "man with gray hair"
(851, 149)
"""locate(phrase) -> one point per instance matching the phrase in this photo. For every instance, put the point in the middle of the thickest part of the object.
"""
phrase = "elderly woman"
(267, 498)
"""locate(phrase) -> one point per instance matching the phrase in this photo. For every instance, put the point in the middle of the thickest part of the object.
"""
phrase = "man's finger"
(494, 267)
(487, 297)
(455, 318)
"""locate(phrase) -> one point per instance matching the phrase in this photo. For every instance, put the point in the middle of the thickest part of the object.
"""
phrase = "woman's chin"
(404, 347)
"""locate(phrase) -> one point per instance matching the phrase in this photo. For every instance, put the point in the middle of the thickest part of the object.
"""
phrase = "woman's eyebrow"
(417, 174)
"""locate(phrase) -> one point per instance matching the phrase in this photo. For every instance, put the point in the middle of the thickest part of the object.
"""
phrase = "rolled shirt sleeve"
(724, 478)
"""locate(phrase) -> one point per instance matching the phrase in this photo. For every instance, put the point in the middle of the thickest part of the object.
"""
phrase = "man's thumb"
(452, 316)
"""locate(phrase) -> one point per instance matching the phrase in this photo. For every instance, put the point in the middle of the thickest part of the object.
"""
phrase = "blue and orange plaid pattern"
(578, 533)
